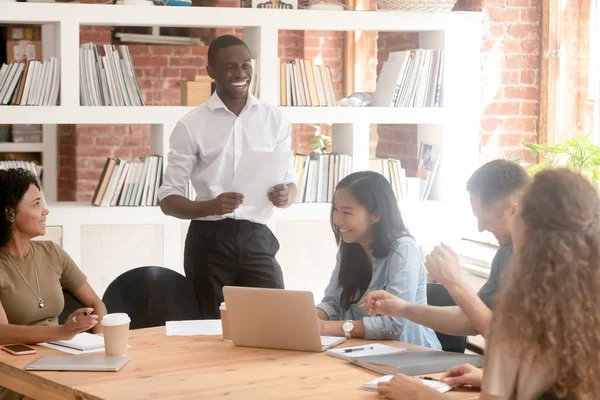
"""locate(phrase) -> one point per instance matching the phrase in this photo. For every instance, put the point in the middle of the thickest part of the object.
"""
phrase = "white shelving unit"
(455, 126)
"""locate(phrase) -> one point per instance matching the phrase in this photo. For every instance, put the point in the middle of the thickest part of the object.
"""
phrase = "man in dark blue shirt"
(494, 191)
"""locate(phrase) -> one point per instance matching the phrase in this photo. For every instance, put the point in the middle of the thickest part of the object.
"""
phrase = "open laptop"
(275, 319)
(78, 363)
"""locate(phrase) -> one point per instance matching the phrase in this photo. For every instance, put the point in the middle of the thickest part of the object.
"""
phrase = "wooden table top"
(193, 367)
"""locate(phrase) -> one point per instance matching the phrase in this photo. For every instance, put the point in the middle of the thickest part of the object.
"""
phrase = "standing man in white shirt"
(227, 243)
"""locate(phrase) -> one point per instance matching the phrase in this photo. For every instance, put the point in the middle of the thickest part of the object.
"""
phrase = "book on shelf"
(304, 84)
(396, 175)
(129, 183)
(428, 161)
(319, 174)
(29, 166)
(31, 83)
(107, 76)
(410, 78)
(255, 78)
(26, 133)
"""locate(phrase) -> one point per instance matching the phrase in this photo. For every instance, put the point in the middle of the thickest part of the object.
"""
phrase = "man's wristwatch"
(347, 326)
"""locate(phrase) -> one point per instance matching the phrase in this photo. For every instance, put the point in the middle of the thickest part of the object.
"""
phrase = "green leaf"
(543, 148)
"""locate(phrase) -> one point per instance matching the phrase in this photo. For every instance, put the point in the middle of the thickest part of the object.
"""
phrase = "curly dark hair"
(549, 309)
(13, 185)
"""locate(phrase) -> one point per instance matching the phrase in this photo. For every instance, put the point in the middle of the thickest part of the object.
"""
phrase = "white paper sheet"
(375, 349)
(259, 171)
(194, 327)
(69, 350)
(437, 385)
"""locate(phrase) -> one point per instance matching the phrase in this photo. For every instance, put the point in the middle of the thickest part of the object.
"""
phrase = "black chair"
(151, 296)
(437, 295)
(71, 304)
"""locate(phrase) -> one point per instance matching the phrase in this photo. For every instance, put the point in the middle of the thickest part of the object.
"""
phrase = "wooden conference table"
(199, 367)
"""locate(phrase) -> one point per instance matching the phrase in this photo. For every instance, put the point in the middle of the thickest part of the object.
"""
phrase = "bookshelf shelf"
(22, 147)
(453, 128)
(110, 15)
(160, 114)
(83, 213)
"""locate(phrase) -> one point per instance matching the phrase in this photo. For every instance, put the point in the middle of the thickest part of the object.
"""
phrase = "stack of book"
(31, 83)
(394, 173)
(28, 165)
(411, 78)
(107, 78)
(303, 83)
(319, 174)
(129, 183)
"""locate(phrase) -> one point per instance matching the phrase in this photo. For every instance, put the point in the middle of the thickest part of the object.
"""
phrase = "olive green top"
(55, 270)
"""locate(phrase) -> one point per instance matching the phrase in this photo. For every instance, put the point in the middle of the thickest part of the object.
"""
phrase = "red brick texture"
(511, 77)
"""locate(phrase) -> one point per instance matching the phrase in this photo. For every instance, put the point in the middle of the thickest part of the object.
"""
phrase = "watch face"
(348, 326)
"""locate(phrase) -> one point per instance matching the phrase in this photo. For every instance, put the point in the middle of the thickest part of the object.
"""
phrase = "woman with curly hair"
(33, 273)
(546, 326)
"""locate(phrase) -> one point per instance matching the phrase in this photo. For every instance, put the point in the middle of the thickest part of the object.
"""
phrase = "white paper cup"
(116, 333)
(225, 323)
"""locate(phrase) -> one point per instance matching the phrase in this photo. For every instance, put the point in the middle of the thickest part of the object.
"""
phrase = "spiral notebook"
(82, 342)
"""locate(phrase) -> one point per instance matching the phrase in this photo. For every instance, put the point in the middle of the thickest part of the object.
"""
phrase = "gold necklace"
(40, 301)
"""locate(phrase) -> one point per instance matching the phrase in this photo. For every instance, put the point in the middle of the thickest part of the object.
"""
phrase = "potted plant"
(578, 154)
(320, 142)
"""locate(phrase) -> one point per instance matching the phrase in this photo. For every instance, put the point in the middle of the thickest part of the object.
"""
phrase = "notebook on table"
(78, 363)
(434, 384)
(416, 362)
(83, 342)
(374, 349)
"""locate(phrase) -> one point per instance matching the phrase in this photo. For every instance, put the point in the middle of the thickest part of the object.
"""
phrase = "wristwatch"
(347, 326)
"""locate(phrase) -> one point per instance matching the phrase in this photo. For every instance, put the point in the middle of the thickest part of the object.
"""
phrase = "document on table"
(194, 327)
(259, 171)
(375, 349)
(434, 384)
(69, 350)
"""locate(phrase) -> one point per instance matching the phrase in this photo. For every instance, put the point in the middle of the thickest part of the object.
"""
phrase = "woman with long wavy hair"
(546, 326)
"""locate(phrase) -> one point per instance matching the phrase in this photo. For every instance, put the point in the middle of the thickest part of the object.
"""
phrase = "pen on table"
(357, 349)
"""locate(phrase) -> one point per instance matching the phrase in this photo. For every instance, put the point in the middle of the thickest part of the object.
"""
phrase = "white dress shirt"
(206, 146)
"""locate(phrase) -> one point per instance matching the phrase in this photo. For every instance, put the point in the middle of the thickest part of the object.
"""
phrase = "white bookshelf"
(455, 126)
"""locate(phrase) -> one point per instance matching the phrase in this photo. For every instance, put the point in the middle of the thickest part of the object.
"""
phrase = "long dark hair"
(13, 185)
(374, 193)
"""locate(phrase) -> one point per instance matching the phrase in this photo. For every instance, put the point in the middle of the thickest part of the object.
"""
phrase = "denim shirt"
(402, 274)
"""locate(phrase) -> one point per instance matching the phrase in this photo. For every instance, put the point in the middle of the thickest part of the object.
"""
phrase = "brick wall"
(511, 76)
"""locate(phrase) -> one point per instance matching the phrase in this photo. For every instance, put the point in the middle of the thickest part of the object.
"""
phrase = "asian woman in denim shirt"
(375, 252)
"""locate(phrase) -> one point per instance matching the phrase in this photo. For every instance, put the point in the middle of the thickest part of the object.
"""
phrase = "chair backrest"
(151, 296)
(71, 304)
(437, 295)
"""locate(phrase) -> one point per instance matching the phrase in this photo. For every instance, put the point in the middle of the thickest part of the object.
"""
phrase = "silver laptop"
(275, 319)
(78, 363)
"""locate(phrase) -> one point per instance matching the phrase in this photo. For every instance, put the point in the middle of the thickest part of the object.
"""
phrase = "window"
(569, 69)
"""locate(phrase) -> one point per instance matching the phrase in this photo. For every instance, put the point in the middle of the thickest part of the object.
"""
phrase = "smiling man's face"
(232, 72)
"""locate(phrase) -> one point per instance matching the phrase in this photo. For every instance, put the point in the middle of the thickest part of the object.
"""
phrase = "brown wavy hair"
(550, 307)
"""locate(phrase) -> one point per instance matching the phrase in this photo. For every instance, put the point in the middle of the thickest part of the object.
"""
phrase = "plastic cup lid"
(115, 319)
